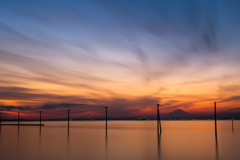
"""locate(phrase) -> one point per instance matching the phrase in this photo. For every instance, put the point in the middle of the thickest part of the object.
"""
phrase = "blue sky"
(175, 52)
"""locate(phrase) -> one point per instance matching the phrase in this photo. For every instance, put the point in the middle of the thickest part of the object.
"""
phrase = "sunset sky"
(128, 55)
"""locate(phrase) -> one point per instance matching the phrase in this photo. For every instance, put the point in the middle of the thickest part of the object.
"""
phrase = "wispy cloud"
(231, 99)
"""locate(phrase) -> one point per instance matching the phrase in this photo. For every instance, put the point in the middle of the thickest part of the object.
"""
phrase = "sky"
(128, 55)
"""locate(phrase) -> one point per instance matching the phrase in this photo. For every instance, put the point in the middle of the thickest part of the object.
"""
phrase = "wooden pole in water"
(18, 118)
(40, 118)
(0, 121)
(215, 117)
(18, 121)
(40, 121)
(232, 124)
(159, 119)
(216, 140)
(106, 119)
(68, 119)
(0, 118)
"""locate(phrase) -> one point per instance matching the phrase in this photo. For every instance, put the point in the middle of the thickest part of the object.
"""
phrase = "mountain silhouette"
(177, 114)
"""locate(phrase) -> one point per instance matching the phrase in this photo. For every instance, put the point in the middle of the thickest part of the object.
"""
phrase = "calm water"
(125, 140)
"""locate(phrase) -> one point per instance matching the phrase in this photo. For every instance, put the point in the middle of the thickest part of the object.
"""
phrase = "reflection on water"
(216, 141)
(40, 145)
(124, 140)
(232, 125)
(159, 145)
(18, 140)
(106, 147)
(68, 142)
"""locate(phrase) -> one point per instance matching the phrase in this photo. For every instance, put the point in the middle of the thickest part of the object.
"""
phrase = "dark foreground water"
(125, 140)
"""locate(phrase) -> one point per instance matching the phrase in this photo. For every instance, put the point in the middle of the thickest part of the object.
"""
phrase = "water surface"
(125, 140)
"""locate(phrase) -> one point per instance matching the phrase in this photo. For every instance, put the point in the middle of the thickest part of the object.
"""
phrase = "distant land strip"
(24, 124)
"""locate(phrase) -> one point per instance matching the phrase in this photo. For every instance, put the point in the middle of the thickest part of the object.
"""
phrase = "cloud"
(6, 28)
(15, 108)
(229, 88)
(142, 56)
(63, 106)
(176, 104)
(118, 107)
(19, 93)
(234, 109)
(7, 108)
(193, 24)
(124, 106)
(231, 99)
(15, 89)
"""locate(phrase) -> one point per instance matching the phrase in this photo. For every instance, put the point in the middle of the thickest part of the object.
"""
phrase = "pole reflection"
(40, 134)
(68, 135)
(159, 144)
(40, 142)
(0, 131)
(68, 139)
(18, 141)
(106, 146)
(40, 131)
(216, 145)
(68, 142)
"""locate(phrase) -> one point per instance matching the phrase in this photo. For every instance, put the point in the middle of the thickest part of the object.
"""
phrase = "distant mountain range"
(176, 114)
(179, 114)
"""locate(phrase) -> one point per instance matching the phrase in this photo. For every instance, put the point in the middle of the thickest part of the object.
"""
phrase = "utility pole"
(106, 119)
(18, 121)
(215, 117)
(18, 118)
(216, 139)
(40, 121)
(40, 118)
(68, 120)
(0, 120)
(158, 116)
